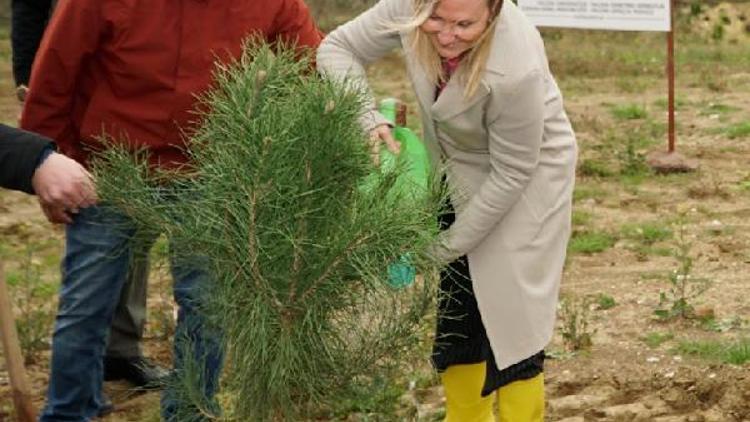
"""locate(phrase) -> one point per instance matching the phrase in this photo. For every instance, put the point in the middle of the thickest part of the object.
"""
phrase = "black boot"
(137, 370)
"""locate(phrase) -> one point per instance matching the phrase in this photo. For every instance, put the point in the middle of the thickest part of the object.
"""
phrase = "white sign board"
(624, 15)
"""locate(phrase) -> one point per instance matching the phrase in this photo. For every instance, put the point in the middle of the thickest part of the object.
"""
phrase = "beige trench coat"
(510, 156)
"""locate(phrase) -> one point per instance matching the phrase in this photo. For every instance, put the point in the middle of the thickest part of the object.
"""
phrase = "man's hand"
(63, 187)
(379, 135)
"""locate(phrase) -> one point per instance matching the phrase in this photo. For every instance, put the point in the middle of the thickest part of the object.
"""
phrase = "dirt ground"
(636, 368)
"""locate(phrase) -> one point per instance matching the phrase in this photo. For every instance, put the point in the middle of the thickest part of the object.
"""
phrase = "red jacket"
(131, 68)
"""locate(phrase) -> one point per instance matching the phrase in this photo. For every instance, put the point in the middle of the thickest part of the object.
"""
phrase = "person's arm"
(19, 153)
(344, 53)
(515, 139)
(29, 18)
(29, 163)
(71, 39)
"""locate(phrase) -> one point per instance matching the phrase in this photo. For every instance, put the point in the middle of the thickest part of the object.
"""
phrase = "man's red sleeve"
(70, 40)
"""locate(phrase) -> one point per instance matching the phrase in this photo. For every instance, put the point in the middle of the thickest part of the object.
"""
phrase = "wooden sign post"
(670, 79)
(623, 15)
(670, 161)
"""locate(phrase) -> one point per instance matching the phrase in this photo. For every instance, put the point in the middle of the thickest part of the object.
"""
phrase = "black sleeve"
(19, 153)
(29, 18)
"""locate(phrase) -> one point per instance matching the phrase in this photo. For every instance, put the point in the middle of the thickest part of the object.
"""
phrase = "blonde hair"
(473, 65)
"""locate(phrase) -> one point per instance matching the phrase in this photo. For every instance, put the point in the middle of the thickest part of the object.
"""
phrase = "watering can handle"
(394, 110)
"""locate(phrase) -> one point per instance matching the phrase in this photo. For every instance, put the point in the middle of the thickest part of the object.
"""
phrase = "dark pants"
(126, 330)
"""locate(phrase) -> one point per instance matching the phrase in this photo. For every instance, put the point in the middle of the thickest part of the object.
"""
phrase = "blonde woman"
(493, 116)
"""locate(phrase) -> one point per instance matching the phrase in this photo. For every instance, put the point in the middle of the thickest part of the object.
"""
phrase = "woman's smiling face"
(455, 25)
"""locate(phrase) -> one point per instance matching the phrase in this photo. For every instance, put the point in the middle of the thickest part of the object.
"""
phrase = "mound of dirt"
(686, 394)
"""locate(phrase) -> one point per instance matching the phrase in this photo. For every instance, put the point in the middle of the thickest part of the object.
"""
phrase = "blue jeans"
(98, 253)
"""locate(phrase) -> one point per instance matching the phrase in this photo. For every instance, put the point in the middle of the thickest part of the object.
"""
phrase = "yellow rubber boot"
(522, 401)
(463, 394)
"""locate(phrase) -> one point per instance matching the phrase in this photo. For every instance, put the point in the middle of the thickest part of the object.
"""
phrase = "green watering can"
(414, 182)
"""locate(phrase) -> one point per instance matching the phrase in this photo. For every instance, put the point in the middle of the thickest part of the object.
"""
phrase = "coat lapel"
(424, 89)
(451, 101)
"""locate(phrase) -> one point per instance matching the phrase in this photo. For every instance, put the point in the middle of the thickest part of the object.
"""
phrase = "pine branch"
(343, 255)
(299, 229)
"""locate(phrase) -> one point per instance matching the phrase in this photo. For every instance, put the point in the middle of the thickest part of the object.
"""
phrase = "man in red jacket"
(131, 69)
(123, 358)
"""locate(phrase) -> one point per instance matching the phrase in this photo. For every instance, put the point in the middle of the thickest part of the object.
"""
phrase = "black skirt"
(460, 336)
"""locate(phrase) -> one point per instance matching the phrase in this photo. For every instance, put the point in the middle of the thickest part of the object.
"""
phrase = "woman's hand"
(382, 134)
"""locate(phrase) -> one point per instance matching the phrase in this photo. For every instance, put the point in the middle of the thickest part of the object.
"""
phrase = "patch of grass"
(723, 325)
(632, 183)
(34, 297)
(655, 339)
(590, 54)
(652, 276)
(705, 59)
(717, 108)
(715, 81)
(589, 242)
(425, 378)
(374, 397)
(581, 218)
(696, 8)
(736, 352)
(663, 103)
(590, 167)
(633, 84)
(629, 112)
(582, 193)
(643, 252)
(655, 131)
(605, 301)
(650, 250)
(647, 233)
(586, 122)
(632, 162)
(730, 149)
(739, 130)
(627, 145)
(717, 32)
